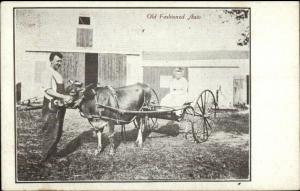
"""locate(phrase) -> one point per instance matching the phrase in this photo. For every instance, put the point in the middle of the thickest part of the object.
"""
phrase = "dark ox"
(131, 97)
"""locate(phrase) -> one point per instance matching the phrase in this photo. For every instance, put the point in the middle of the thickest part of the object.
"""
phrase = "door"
(238, 91)
(73, 66)
(91, 68)
(112, 70)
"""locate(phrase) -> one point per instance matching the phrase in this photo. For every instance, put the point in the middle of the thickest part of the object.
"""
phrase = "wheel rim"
(201, 130)
(205, 110)
(206, 104)
(151, 106)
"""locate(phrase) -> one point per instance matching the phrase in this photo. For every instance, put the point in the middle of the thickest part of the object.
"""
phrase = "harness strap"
(114, 94)
(117, 109)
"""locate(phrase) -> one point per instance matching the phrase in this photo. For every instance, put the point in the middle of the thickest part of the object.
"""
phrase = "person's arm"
(54, 94)
(51, 92)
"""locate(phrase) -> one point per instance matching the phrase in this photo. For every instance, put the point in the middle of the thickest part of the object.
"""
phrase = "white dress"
(178, 93)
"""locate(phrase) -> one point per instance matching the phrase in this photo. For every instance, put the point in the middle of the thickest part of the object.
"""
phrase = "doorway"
(112, 70)
(238, 90)
(91, 68)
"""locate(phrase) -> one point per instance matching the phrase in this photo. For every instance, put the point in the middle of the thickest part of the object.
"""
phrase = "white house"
(125, 46)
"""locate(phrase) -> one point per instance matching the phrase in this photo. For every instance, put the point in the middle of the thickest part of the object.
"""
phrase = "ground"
(165, 154)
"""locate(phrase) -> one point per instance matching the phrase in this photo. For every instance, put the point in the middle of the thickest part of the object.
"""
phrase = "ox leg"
(99, 141)
(111, 138)
(184, 125)
(123, 133)
(139, 140)
(98, 126)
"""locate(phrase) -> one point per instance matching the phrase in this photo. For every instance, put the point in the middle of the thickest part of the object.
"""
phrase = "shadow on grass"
(87, 137)
(170, 129)
(233, 122)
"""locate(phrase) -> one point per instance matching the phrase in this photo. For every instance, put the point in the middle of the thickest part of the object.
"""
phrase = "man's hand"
(77, 103)
(67, 99)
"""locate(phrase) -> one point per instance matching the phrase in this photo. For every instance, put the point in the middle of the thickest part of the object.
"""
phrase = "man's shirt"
(52, 79)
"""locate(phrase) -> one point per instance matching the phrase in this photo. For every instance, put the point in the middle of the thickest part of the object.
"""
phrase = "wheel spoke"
(201, 130)
(204, 104)
(204, 129)
(151, 106)
(203, 109)
(210, 128)
(153, 121)
(200, 108)
(204, 123)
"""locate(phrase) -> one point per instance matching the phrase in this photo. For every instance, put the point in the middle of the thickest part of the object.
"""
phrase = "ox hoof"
(186, 136)
(112, 151)
(97, 151)
(138, 144)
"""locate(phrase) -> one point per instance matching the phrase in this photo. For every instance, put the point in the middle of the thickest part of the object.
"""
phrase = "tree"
(241, 17)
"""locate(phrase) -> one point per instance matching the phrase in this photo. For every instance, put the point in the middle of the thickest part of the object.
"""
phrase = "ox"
(88, 99)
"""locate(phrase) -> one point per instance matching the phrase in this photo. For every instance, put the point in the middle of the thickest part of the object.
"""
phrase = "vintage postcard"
(132, 96)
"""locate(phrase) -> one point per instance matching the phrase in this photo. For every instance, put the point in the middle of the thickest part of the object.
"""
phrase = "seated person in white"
(178, 90)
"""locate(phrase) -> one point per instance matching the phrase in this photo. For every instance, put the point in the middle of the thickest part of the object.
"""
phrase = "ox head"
(74, 89)
(78, 92)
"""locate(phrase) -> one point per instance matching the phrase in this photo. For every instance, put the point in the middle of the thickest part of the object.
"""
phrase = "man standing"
(53, 111)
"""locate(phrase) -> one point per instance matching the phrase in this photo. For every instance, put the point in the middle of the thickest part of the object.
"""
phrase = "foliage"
(241, 16)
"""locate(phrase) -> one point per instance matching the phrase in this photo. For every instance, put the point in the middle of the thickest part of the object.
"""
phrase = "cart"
(199, 114)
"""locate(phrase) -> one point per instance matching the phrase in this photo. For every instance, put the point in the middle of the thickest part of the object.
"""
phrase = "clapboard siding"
(112, 70)
(73, 67)
(196, 55)
(152, 76)
(40, 66)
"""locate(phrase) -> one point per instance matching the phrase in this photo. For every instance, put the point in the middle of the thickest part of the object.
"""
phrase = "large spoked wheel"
(205, 112)
(187, 120)
(201, 130)
(151, 105)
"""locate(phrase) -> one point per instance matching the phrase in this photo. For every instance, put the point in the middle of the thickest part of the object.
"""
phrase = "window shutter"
(84, 37)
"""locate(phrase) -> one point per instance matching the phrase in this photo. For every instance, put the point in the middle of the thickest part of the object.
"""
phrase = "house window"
(84, 37)
(84, 20)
